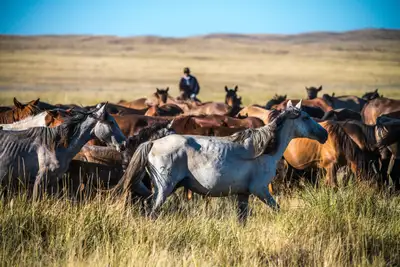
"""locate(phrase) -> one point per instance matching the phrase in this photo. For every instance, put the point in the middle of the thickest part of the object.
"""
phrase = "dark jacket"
(192, 88)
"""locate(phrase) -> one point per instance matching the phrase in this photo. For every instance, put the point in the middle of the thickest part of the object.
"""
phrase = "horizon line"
(198, 35)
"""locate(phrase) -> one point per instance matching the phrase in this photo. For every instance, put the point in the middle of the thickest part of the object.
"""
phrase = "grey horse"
(42, 152)
(241, 164)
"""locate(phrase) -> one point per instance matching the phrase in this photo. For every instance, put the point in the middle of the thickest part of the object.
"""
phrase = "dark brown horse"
(341, 115)
(371, 95)
(377, 107)
(232, 100)
(348, 101)
(19, 111)
(82, 177)
(276, 100)
(312, 92)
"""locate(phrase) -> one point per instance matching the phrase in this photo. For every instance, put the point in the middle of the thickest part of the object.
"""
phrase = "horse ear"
(320, 88)
(18, 104)
(101, 111)
(226, 88)
(236, 88)
(158, 90)
(376, 90)
(298, 106)
(166, 90)
(289, 104)
(284, 97)
(333, 94)
(306, 88)
(169, 126)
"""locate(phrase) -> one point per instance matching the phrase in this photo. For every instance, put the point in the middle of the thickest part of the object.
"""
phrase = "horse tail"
(353, 154)
(135, 170)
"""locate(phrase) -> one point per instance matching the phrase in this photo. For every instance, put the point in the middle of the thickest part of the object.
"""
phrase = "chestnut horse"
(339, 150)
(377, 107)
(254, 111)
(19, 111)
(160, 97)
(164, 110)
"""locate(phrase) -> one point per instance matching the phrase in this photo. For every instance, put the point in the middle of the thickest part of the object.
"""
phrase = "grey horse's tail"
(136, 169)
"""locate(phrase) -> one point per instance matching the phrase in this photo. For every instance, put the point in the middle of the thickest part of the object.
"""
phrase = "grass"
(355, 225)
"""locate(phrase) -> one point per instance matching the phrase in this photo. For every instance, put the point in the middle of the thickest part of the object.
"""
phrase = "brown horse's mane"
(368, 133)
(349, 149)
(265, 139)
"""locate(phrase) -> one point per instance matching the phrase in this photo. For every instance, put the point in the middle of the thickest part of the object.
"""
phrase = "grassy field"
(355, 225)
(89, 69)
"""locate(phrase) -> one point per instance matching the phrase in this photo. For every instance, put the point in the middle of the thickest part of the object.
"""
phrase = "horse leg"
(161, 192)
(37, 185)
(331, 178)
(243, 207)
(262, 193)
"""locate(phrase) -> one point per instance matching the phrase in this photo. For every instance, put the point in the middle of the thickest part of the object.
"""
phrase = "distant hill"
(363, 37)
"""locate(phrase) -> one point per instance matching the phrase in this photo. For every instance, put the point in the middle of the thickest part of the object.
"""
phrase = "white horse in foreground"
(241, 164)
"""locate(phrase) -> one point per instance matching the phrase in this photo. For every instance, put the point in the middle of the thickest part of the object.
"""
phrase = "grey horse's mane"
(265, 139)
(52, 137)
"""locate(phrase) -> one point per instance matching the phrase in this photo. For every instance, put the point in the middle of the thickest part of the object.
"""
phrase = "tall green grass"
(356, 225)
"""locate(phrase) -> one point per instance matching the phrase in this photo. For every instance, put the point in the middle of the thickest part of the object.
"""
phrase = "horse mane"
(368, 133)
(151, 132)
(26, 120)
(264, 139)
(349, 149)
(59, 136)
(276, 100)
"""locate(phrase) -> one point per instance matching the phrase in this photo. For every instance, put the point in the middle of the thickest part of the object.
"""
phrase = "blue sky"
(184, 18)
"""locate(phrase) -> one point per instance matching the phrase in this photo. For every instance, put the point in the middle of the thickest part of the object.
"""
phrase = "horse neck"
(80, 138)
(285, 135)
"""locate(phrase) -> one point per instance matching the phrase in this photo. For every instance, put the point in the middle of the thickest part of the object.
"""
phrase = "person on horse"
(188, 85)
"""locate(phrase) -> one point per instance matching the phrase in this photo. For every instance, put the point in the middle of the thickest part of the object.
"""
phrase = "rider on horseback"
(188, 85)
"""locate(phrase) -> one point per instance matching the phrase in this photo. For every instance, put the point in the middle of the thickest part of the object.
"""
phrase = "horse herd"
(151, 146)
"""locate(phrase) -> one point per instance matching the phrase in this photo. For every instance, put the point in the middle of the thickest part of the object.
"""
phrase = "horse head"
(371, 95)
(312, 92)
(162, 95)
(303, 125)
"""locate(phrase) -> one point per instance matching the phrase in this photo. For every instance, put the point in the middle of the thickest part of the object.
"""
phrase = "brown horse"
(341, 115)
(159, 97)
(377, 107)
(99, 154)
(82, 176)
(312, 92)
(232, 99)
(254, 111)
(348, 101)
(19, 111)
(339, 150)
(210, 108)
(118, 109)
(164, 110)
